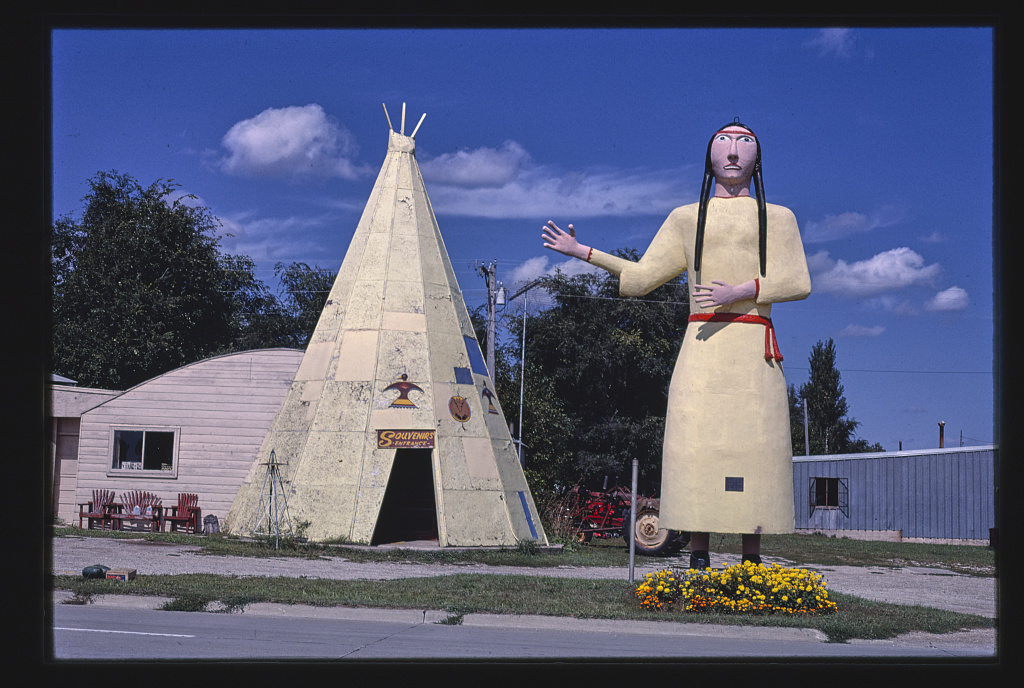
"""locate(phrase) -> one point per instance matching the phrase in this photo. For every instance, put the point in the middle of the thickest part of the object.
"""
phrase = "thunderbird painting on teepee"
(391, 430)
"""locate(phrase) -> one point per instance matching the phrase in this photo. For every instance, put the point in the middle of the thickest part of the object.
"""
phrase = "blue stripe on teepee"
(476, 359)
(526, 510)
(463, 376)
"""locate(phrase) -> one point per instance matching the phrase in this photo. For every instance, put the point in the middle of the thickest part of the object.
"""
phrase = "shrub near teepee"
(742, 588)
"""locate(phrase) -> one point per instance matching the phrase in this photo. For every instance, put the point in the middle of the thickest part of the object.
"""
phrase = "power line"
(911, 372)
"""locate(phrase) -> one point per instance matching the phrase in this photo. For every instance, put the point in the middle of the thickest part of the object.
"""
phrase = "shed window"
(830, 493)
(143, 450)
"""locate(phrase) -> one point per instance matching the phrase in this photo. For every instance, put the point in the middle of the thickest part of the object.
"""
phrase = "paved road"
(909, 585)
(125, 629)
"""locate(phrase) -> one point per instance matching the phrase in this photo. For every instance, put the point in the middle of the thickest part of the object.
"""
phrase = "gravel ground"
(929, 587)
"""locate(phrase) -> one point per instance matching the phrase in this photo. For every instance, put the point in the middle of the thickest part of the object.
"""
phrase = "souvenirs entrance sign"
(405, 439)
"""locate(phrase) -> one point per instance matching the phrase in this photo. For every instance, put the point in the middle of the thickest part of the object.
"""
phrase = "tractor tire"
(651, 539)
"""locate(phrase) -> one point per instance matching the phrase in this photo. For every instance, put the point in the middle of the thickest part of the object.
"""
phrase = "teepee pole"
(386, 116)
(418, 126)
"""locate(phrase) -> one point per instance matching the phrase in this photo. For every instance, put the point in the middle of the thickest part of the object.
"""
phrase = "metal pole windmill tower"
(273, 507)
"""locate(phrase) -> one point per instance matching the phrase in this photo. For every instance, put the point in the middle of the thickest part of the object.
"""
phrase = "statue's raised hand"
(564, 242)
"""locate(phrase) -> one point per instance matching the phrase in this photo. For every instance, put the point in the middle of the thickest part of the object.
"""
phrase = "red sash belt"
(771, 345)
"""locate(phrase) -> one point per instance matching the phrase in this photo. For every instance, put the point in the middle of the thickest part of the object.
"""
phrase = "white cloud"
(952, 299)
(861, 331)
(845, 224)
(886, 272)
(291, 141)
(933, 238)
(540, 266)
(832, 42)
(481, 168)
(273, 238)
(514, 188)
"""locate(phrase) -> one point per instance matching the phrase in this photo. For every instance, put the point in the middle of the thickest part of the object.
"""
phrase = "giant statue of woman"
(727, 457)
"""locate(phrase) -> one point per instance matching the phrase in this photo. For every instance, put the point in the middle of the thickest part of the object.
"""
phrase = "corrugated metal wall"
(941, 493)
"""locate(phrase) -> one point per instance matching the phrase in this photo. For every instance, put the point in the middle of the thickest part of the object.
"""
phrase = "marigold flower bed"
(742, 588)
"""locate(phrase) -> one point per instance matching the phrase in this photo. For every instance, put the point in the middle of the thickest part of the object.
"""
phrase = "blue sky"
(879, 139)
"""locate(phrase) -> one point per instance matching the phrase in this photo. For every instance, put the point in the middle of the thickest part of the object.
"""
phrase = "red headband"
(746, 132)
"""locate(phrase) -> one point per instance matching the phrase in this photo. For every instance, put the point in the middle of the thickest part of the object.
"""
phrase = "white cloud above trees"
(842, 225)
(889, 271)
(487, 168)
(505, 182)
(290, 141)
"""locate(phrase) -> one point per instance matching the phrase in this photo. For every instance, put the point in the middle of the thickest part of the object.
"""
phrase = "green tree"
(258, 318)
(140, 287)
(304, 293)
(137, 284)
(830, 430)
(597, 373)
(796, 421)
(261, 319)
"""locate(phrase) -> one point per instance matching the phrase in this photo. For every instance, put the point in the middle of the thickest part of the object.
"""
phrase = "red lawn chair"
(186, 515)
(98, 510)
(140, 510)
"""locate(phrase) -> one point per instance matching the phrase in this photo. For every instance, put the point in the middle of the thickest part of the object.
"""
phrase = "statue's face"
(733, 154)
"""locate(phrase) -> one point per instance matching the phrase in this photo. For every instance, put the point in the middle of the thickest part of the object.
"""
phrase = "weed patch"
(187, 603)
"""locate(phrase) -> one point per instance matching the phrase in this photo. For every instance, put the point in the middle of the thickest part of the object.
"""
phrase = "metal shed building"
(946, 494)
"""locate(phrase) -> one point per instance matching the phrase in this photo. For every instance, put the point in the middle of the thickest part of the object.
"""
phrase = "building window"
(830, 493)
(150, 452)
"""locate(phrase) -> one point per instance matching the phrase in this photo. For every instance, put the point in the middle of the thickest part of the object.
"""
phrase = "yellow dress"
(727, 457)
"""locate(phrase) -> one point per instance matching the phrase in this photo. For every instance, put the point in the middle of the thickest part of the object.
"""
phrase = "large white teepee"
(391, 430)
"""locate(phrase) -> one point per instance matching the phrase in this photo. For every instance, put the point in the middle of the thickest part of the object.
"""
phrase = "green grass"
(832, 551)
(462, 594)
(799, 549)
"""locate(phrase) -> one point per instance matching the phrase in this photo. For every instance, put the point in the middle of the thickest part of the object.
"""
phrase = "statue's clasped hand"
(722, 294)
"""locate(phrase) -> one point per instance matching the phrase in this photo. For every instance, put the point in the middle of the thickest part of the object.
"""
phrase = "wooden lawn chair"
(139, 509)
(98, 510)
(185, 515)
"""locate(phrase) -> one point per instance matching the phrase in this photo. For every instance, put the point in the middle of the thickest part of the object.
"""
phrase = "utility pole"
(522, 379)
(525, 291)
(488, 273)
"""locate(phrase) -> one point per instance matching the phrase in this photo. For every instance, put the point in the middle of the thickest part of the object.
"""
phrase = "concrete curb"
(645, 627)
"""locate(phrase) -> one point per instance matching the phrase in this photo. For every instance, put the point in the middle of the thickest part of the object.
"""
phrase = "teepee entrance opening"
(408, 511)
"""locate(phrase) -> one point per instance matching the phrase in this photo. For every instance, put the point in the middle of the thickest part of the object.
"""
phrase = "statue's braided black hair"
(705, 195)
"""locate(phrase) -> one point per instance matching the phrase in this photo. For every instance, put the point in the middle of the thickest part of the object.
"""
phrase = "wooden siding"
(942, 493)
(221, 409)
